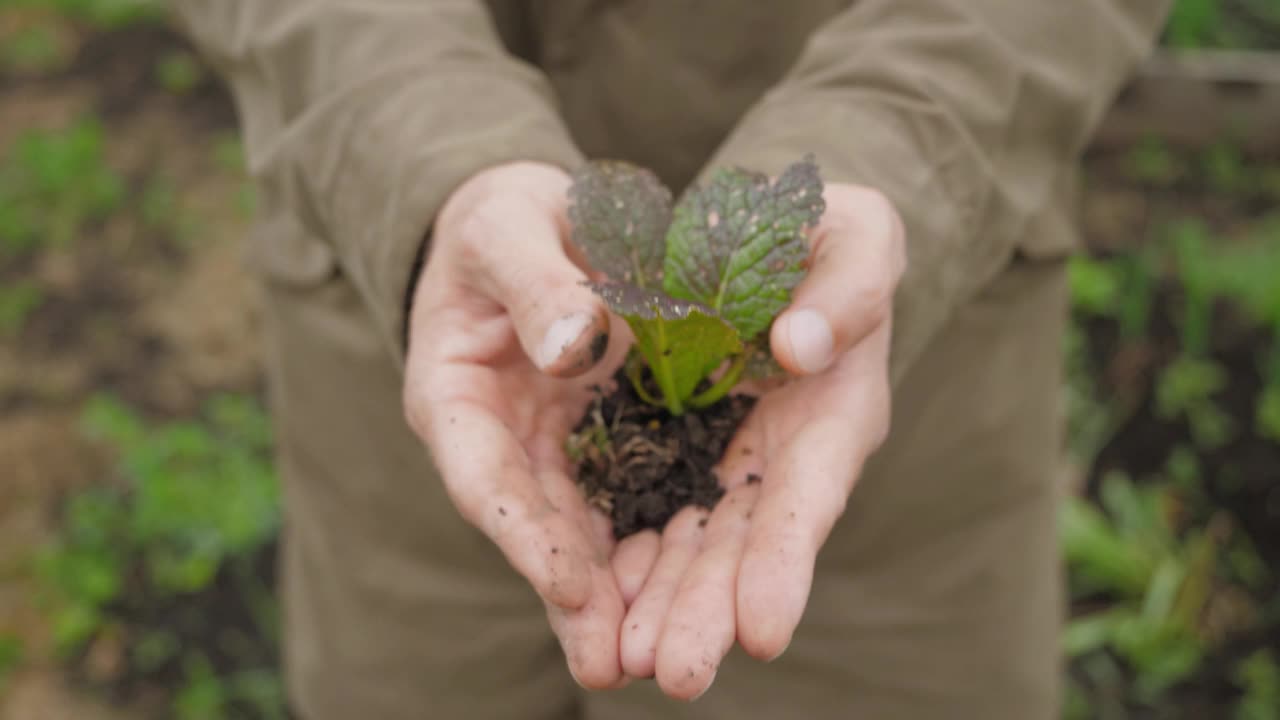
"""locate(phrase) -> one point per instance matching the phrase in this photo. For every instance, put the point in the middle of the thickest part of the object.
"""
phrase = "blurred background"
(138, 506)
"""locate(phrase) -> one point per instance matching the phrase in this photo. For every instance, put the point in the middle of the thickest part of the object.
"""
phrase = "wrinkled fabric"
(362, 115)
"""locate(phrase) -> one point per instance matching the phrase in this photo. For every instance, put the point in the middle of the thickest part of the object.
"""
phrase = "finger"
(700, 627)
(857, 258)
(632, 561)
(643, 623)
(800, 499)
(601, 528)
(589, 635)
(744, 459)
(490, 481)
(566, 496)
(519, 260)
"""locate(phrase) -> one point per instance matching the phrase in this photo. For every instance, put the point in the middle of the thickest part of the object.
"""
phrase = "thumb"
(857, 258)
(562, 326)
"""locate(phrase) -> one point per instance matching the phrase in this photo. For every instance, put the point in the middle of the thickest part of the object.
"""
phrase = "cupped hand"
(744, 572)
(504, 344)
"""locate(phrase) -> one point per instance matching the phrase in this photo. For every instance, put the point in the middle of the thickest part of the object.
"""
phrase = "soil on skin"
(640, 464)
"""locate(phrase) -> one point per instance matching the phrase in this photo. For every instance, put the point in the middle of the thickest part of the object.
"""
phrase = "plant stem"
(723, 385)
(660, 365)
(633, 374)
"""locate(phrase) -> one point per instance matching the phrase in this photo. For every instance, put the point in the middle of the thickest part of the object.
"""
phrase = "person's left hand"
(746, 572)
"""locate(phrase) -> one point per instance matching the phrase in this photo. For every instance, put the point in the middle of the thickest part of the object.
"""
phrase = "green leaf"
(738, 245)
(682, 341)
(620, 213)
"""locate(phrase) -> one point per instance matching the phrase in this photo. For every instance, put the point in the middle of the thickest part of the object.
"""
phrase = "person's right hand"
(499, 323)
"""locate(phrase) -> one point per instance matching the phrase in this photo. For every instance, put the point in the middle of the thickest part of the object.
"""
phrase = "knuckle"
(414, 408)
(875, 202)
(874, 300)
(881, 407)
(870, 209)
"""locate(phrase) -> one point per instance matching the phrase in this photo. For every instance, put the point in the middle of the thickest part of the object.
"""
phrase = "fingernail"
(708, 687)
(811, 340)
(780, 652)
(563, 332)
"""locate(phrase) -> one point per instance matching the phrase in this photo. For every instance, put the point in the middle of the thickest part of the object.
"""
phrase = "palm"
(489, 372)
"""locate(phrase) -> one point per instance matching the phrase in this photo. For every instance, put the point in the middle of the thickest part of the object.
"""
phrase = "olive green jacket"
(361, 116)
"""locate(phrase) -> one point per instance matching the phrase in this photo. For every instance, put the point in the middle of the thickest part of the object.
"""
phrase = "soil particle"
(640, 464)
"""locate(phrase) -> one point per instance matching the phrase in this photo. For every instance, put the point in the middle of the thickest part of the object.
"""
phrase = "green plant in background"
(195, 507)
(1090, 420)
(179, 72)
(1121, 288)
(100, 14)
(35, 49)
(17, 301)
(1158, 579)
(1096, 285)
(161, 209)
(1196, 273)
(53, 184)
(229, 155)
(1245, 272)
(1194, 23)
(1185, 388)
(208, 695)
(1226, 170)
(1151, 162)
(1259, 677)
(11, 653)
(1223, 24)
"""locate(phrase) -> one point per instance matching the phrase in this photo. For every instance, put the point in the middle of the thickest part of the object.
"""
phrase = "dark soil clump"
(640, 464)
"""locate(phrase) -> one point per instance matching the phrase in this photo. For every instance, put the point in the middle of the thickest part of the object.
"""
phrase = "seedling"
(698, 284)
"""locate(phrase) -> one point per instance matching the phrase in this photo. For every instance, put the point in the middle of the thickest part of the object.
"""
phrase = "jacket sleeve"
(361, 117)
(967, 114)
